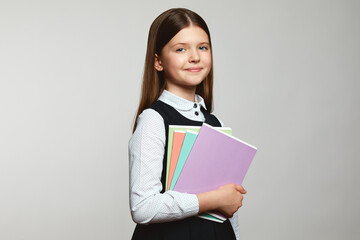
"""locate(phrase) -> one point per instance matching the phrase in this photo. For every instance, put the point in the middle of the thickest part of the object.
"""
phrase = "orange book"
(178, 139)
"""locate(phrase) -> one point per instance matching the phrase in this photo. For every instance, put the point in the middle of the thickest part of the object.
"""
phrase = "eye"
(203, 48)
(180, 49)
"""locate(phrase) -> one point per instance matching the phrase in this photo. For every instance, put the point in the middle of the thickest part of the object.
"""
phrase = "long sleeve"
(146, 152)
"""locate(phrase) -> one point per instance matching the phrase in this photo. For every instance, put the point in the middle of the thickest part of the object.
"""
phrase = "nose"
(194, 56)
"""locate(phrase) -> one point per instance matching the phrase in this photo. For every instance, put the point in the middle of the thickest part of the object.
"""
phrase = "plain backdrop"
(286, 80)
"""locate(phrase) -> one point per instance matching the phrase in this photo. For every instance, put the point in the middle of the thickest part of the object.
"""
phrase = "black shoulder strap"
(211, 119)
(159, 107)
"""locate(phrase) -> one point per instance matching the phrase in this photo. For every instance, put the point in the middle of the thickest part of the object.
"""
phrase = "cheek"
(172, 63)
(207, 60)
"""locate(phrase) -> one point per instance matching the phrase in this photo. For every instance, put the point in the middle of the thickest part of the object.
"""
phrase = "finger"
(240, 189)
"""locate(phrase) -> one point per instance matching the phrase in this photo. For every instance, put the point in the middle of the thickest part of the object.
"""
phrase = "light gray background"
(287, 80)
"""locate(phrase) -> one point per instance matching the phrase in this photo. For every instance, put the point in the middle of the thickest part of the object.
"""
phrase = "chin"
(195, 81)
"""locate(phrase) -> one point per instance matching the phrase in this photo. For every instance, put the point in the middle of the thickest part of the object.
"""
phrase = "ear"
(158, 65)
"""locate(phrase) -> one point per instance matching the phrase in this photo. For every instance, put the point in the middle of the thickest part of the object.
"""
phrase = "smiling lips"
(194, 69)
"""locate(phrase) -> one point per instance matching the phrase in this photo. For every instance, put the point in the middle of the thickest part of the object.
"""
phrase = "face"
(185, 60)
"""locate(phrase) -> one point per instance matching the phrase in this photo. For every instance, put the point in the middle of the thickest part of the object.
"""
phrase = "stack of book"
(201, 159)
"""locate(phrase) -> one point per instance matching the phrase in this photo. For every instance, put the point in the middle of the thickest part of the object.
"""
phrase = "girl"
(176, 90)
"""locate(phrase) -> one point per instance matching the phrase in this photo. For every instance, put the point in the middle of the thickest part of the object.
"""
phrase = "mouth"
(193, 69)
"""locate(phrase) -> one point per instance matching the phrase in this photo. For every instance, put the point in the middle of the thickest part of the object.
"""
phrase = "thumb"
(240, 189)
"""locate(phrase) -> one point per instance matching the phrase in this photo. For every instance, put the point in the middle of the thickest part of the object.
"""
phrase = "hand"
(227, 199)
(230, 198)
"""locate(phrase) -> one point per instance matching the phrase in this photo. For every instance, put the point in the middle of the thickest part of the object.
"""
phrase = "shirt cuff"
(189, 203)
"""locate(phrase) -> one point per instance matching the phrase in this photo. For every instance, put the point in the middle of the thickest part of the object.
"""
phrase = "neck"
(186, 93)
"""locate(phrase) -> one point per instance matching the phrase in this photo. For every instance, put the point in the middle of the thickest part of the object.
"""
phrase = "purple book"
(215, 159)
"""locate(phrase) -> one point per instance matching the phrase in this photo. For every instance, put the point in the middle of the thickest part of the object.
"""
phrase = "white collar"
(180, 103)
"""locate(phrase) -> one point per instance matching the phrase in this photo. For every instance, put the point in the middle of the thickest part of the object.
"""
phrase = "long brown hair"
(162, 30)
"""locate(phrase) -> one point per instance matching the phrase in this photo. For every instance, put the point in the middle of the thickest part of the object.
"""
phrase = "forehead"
(191, 34)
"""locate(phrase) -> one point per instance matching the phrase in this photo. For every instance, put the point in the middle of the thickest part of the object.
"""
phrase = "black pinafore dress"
(192, 228)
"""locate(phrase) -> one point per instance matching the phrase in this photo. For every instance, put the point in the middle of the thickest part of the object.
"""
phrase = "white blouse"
(146, 154)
